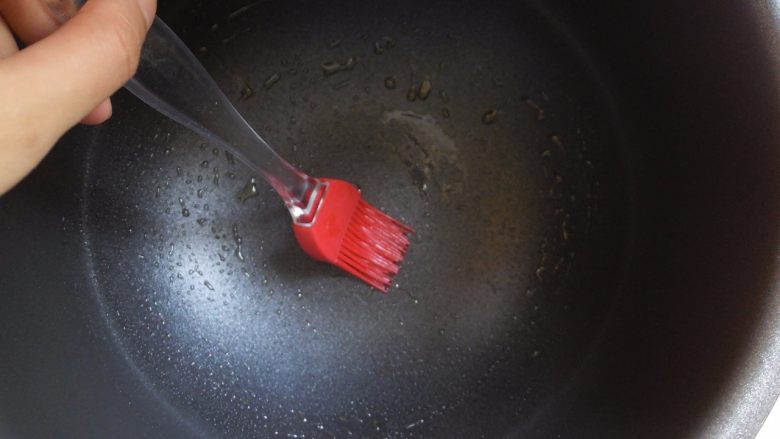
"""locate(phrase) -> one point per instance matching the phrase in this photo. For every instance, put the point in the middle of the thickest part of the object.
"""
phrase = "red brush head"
(355, 236)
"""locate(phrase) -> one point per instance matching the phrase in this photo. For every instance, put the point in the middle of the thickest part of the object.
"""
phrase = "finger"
(100, 114)
(7, 42)
(63, 77)
(30, 20)
(57, 81)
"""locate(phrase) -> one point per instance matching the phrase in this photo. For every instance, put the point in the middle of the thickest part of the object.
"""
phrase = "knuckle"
(126, 44)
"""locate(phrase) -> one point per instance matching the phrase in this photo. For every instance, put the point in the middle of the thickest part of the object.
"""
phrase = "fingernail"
(148, 8)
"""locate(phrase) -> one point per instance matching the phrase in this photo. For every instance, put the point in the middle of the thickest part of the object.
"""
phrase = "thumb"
(48, 87)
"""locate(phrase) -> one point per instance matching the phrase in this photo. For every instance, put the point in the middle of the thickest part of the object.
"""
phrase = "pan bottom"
(508, 168)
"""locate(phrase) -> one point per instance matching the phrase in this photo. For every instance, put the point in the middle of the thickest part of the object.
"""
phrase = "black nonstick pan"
(595, 193)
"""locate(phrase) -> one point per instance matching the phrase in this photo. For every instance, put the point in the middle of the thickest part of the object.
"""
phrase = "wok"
(595, 193)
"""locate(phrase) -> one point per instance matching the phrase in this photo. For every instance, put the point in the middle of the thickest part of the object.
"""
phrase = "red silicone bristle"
(374, 246)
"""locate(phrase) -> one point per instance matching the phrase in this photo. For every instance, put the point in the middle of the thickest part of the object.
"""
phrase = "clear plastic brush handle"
(171, 80)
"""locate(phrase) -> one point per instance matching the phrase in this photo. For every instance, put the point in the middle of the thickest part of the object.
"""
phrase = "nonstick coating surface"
(522, 226)
(497, 305)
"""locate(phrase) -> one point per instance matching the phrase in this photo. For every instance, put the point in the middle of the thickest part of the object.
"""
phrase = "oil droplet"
(204, 164)
(540, 115)
(415, 424)
(383, 44)
(271, 80)
(390, 82)
(237, 238)
(200, 193)
(490, 117)
(246, 90)
(248, 191)
(425, 89)
(411, 94)
(185, 212)
(333, 67)
(441, 331)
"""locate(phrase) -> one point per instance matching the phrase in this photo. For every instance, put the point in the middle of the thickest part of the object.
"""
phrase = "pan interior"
(509, 169)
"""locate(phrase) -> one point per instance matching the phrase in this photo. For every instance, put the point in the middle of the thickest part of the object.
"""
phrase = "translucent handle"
(171, 80)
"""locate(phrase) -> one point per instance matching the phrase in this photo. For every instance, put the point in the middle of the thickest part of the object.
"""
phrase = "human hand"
(64, 74)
